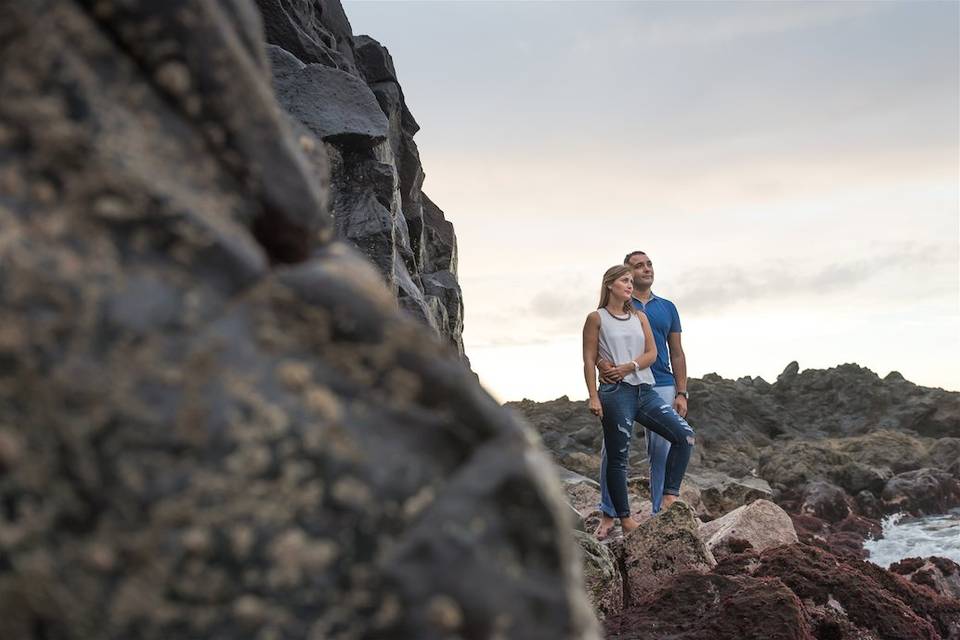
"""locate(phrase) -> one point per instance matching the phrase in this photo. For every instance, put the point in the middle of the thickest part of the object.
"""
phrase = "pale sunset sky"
(792, 168)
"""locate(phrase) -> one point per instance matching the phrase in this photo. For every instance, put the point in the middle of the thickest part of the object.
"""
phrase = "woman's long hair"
(612, 275)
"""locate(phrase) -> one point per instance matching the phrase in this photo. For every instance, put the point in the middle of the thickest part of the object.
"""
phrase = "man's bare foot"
(628, 524)
(668, 500)
(605, 528)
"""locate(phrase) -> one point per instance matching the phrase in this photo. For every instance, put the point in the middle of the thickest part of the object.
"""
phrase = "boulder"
(760, 524)
(791, 465)
(825, 501)
(921, 492)
(661, 547)
(601, 576)
(885, 449)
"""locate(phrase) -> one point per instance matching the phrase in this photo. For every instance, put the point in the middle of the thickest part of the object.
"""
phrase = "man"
(670, 375)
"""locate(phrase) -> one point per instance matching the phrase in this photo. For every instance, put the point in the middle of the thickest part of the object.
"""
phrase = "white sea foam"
(909, 537)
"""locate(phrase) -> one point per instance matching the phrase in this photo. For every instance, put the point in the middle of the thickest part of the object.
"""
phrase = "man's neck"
(643, 295)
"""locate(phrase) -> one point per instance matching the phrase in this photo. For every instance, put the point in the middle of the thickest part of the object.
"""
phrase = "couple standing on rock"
(633, 338)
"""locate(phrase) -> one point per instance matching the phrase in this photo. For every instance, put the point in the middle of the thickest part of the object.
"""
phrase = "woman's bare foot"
(605, 528)
(628, 524)
(668, 500)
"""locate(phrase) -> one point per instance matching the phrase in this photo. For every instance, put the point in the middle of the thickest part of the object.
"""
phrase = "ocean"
(905, 537)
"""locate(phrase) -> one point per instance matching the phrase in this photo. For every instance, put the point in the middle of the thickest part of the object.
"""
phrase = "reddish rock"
(866, 527)
(844, 539)
(825, 501)
(869, 597)
(692, 606)
(921, 492)
(660, 548)
(940, 574)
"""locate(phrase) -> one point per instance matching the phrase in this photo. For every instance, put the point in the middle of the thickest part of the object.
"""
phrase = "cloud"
(725, 286)
(719, 24)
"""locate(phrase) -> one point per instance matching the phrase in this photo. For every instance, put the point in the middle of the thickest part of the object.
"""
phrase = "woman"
(618, 333)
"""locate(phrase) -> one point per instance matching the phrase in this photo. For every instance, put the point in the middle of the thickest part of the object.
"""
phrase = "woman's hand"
(623, 370)
(595, 408)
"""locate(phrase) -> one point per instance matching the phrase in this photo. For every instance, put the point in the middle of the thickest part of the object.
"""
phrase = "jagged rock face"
(213, 420)
(847, 400)
(344, 89)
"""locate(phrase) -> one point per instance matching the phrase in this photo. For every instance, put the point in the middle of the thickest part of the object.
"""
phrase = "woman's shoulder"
(594, 316)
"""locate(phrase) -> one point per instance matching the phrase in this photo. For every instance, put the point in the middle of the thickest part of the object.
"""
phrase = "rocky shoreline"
(788, 482)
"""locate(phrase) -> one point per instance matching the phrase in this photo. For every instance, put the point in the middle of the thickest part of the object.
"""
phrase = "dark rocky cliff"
(344, 90)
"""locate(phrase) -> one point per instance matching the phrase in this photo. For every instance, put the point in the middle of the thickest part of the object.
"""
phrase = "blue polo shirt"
(664, 320)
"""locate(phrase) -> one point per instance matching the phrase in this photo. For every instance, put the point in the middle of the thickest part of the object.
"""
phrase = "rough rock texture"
(942, 575)
(345, 92)
(213, 421)
(720, 494)
(692, 606)
(846, 400)
(825, 501)
(843, 597)
(921, 492)
(842, 425)
(759, 525)
(661, 547)
(601, 576)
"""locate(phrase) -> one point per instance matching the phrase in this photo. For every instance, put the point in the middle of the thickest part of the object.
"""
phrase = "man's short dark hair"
(626, 259)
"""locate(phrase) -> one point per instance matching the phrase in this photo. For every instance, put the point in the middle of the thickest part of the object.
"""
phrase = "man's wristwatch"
(684, 394)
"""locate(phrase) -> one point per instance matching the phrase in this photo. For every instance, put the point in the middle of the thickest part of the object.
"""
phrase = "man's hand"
(608, 373)
(680, 406)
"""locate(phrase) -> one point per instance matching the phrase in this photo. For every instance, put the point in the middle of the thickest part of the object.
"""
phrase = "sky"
(792, 169)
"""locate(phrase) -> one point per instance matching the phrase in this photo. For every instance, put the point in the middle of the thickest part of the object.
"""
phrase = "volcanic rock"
(691, 606)
(942, 575)
(214, 422)
(866, 597)
(345, 92)
(825, 501)
(921, 492)
(601, 576)
(662, 546)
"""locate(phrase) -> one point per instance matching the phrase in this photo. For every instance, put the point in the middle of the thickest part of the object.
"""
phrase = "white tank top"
(621, 340)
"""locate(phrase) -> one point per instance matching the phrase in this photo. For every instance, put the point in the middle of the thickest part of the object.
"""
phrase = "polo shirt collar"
(653, 297)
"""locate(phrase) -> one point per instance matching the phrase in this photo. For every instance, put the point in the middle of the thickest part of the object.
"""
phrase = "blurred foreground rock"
(214, 422)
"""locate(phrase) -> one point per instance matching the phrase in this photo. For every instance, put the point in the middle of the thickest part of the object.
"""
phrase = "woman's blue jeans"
(624, 403)
(658, 448)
